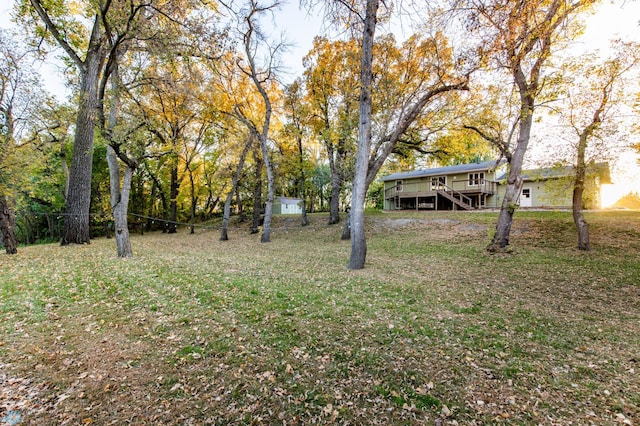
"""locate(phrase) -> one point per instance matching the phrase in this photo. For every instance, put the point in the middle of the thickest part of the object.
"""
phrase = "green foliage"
(461, 148)
(375, 195)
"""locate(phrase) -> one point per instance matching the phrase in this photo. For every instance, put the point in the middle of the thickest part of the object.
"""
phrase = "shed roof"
(289, 200)
(449, 170)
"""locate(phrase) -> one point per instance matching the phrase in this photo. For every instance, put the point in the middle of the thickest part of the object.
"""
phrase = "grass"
(198, 331)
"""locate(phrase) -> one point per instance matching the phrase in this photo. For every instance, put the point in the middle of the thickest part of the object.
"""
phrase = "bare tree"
(519, 38)
(261, 77)
(594, 98)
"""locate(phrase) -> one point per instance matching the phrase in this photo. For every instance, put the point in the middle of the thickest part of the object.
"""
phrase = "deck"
(426, 195)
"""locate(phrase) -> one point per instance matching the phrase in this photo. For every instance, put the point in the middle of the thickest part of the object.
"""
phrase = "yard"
(434, 330)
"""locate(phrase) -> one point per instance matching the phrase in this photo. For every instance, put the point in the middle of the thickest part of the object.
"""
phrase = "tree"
(412, 110)
(593, 99)
(460, 147)
(263, 79)
(119, 192)
(169, 105)
(519, 37)
(398, 113)
(224, 230)
(19, 100)
(89, 49)
(331, 77)
(298, 117)
(358, 239)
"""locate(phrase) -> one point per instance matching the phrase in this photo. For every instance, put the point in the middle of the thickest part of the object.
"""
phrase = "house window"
(526, 193)
(476, 179)
(398, 186)
(438, 182)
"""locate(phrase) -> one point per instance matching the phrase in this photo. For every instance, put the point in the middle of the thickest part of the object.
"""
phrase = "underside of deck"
(440, 200)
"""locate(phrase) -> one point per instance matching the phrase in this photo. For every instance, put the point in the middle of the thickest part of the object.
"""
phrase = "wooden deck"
(424, 195)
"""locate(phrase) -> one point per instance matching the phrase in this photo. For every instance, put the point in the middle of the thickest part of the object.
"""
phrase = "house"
(461, 187)
(287, 205)
(482, 186)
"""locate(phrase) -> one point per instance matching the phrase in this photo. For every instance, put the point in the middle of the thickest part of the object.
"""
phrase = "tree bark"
(582, 227)
(224, 231)
(120, 203)
(257, 194)
(194, 200)
(268, 208)
(346, 229)
(119, 196)
(76, 229)
(578, 217)
(303, 185)
(7, 227)
(514, 179)
(174, 186)
(358, 239)
(336, 188)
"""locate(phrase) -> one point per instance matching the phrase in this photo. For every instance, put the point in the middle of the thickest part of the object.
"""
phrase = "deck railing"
(409, 188)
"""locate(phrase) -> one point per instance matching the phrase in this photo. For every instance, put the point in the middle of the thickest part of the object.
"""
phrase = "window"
(438, 182)
(476, 179)
(526, 193)
(398, 186)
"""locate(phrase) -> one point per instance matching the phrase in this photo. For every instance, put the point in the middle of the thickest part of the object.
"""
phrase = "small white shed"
(287, 205)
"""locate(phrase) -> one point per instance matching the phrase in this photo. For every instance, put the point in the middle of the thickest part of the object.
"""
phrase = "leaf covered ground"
(433, 331)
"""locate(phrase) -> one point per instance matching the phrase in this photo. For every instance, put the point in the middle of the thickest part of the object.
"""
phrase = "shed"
(287, 205)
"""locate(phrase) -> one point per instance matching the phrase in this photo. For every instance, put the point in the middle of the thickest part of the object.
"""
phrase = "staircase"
(456, 198)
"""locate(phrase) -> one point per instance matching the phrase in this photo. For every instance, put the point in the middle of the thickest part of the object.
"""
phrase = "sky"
(619, 18)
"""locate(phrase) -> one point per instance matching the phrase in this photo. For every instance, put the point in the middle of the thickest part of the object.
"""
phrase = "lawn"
(433, 331)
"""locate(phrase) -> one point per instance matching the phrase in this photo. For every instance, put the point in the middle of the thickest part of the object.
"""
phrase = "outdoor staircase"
(456, 198)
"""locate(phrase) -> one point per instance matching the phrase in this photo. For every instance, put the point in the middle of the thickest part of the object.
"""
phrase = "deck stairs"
(456, 197)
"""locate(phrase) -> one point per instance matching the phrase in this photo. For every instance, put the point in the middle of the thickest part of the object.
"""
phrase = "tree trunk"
(358, 239)
(173, 197)
(268, 209)
(578, 218)
(77, 220)
(346, 229)
(514, 180)
(303, 187)
(7, 227)
(156, 188)
(224, 234)
(224, 230)
(582, 227)
(194, 201)
(336, 184)
(242, 217)
(334, 201)
(257, 194)
(120, 203)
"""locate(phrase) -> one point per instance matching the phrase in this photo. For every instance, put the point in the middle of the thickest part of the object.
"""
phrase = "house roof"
(289, 200)
(449, 170)
(600, 169)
